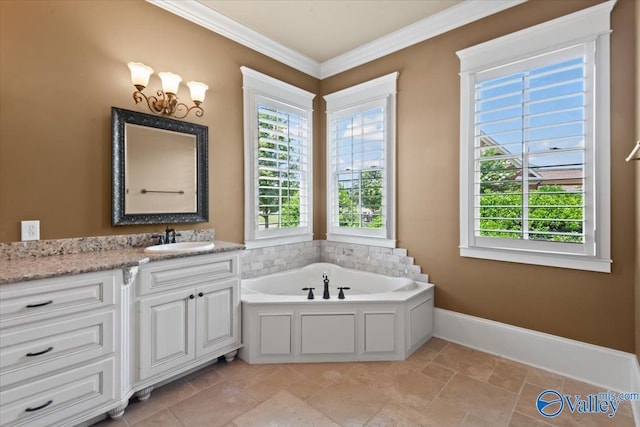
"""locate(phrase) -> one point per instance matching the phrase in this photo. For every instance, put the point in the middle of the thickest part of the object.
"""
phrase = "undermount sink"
(174, 248)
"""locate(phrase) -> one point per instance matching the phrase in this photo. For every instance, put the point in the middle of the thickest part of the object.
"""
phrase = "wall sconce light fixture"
(166, 101)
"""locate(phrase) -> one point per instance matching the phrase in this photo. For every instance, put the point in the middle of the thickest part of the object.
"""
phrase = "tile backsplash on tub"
(387, 261)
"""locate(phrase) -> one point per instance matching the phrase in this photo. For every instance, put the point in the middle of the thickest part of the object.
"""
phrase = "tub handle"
(310, 295)
(341, 293)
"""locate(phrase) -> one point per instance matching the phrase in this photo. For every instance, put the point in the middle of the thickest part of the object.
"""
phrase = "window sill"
(537, 258)
(275, 241)
(362, 240)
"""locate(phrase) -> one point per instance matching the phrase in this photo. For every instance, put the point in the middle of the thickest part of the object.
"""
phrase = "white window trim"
(256, 85)
(591, 24)
(381, 88)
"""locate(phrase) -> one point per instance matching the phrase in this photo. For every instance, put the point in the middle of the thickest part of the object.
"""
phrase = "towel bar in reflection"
(632, 155)
(145, 191)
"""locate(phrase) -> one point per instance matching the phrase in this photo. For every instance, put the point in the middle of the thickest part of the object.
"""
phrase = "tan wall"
(592, 307)
(64, 66)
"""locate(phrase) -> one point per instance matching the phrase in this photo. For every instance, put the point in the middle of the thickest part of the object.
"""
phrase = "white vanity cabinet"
(58, 358)
(188, 314)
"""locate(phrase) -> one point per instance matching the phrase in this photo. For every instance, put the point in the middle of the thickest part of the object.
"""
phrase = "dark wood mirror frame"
(121, 117)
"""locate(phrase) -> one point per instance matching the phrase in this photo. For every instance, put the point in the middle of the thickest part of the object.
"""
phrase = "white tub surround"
(381, 318)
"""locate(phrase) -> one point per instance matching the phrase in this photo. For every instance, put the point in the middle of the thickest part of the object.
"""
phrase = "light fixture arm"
(167, 103)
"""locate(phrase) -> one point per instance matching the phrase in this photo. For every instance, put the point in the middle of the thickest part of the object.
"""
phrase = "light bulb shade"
(140, 74)
(170, 82)
(197, 91)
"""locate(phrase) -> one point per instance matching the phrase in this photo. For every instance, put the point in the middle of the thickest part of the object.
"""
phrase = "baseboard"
(635, 386)
(611, 369)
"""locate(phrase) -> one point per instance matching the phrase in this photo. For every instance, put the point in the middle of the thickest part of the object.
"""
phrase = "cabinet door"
(218, 316)
(166, 331)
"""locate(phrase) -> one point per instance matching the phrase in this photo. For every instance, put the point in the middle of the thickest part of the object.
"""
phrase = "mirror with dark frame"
(159, 169)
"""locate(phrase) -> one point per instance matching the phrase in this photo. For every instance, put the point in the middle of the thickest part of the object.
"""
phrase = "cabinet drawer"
(40, 348)
(42, 299)
(52, 399)
(167, 275)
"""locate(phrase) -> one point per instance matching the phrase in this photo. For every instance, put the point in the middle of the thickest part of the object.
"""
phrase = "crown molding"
(449, 19)
(432, 26)
(196, 12)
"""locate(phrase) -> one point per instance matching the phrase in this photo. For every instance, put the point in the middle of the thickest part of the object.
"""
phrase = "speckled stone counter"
(30, 267)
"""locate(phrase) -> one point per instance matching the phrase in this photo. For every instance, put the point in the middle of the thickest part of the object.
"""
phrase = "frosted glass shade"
(197, 91)
(140, 73)
(170, 82)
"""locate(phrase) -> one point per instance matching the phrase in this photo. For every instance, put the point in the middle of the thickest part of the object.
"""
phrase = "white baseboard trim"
(611, 369)
(635, 386)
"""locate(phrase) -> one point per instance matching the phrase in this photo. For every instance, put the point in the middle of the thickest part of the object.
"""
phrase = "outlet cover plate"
(30, 230)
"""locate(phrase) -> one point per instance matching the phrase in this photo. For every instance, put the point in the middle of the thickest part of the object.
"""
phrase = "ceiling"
(324, 29)
(326, 37)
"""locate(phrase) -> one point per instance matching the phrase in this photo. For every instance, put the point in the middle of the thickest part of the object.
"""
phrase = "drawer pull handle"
(39, 305)
(200, 294)
(192, 296)
(40, 352)
(39, 407)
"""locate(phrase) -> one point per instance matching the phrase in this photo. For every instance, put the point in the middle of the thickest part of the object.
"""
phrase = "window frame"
(261, 89)
(360, 98)
(589, 27)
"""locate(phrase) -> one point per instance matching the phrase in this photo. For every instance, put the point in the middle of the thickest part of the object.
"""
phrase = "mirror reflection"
(149, 186)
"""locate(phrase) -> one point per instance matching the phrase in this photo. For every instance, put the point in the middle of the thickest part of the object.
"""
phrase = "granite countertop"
(31, 268)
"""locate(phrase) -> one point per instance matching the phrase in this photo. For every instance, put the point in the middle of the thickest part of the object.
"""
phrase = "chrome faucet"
(325, 279)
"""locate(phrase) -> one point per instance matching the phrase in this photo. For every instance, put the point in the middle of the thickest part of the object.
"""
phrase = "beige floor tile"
(204, 378)
(163, 418)
(161, 398)
(304, 388)
(214, 406)
(411, 389)
(323, 373)
(509, 376)
(435, 343)
(108, 422)
(521, 420)
(474, 421)
(396, 415)
(544, 379)
(478, 398)
(241, 374)
(347, 403)
(526, 403)
(467, 361)
(438, 372)
(283, 409)
(269, 385)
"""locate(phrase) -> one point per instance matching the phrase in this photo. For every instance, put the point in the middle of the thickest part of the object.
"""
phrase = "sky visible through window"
(530, 153)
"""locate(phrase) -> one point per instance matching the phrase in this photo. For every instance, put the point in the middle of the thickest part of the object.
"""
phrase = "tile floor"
(441, 384)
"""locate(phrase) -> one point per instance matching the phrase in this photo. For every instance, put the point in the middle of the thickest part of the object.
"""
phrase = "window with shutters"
(534, 168)
(278, 172)
(361, 163)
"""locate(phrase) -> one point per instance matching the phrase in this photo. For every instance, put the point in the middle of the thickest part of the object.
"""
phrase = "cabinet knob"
(200, 294)
(192, 296)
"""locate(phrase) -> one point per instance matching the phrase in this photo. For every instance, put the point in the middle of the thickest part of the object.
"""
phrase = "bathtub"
(381, 318)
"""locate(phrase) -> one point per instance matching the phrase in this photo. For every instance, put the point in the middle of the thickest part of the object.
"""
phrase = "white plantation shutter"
(535, 144)
(531, 136)
(278, 150)
(283, 164)
(361, 163)
(358, 167)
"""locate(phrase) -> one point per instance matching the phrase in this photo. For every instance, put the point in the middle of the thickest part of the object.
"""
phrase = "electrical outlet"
(30, 230)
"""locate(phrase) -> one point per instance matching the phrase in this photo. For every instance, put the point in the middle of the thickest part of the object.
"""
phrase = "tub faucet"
(325, 279)
(170, 235)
